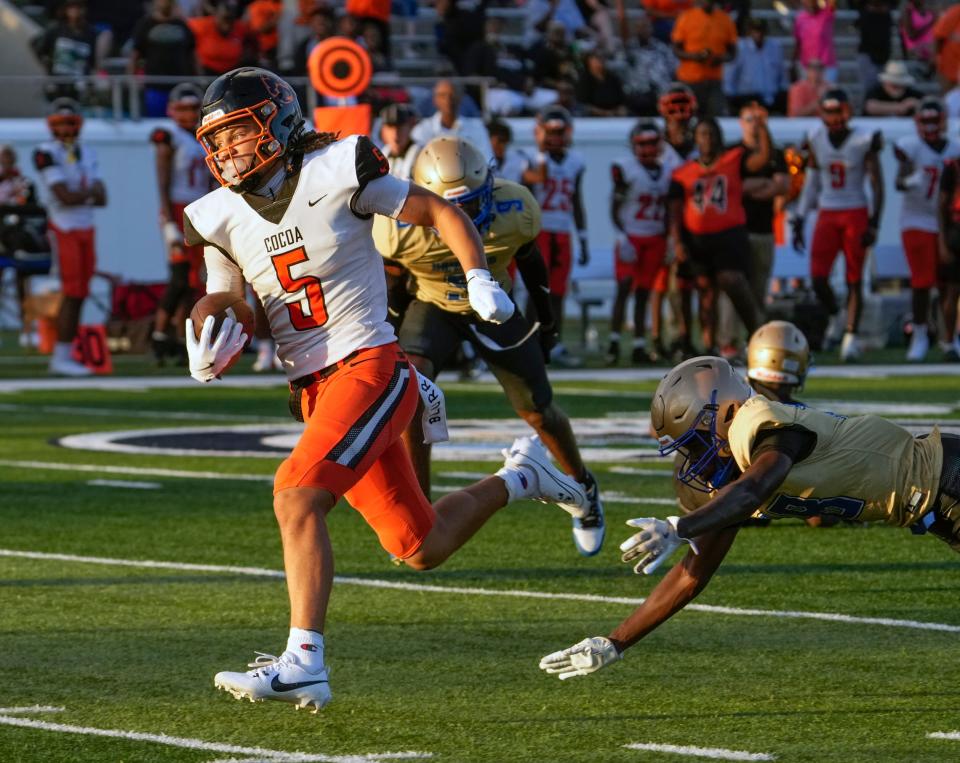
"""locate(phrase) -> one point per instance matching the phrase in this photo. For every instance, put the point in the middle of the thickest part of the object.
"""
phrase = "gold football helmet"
(455, 169)
(691, 414)
(778, 353)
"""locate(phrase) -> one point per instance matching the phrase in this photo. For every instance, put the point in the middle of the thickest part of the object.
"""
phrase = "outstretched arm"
(425, 208)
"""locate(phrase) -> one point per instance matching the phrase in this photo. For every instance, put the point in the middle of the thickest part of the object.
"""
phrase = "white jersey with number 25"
(555, 195)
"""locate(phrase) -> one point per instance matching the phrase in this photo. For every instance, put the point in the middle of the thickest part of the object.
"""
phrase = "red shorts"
(839, 230)
(558, 257)
(77, 260)
(920, 246)
(190, 254)
(651, 251)
(661, 282)
(351, 446)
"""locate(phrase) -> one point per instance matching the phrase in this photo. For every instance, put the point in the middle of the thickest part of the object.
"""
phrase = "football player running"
(777, 460)
(638, 210)
(840, 159)
(294, 218)
(921, 159)
(182, 177)
(439, 319)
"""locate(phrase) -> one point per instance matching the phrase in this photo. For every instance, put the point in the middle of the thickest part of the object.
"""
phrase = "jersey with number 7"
(308, 253)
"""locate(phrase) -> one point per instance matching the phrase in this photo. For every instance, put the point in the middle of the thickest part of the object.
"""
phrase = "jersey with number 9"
(862, 468)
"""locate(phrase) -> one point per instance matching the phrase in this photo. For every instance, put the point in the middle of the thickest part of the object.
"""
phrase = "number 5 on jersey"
(316, 313)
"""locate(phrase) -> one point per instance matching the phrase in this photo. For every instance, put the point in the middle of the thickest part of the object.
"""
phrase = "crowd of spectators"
(597, 57)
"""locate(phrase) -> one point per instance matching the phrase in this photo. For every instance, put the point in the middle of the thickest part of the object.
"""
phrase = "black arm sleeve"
(533, 271)
(795, 441)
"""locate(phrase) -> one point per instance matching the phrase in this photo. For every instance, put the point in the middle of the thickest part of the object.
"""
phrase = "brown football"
(221, 304)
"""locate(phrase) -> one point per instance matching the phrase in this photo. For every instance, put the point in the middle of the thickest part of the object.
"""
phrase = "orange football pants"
(355, 415)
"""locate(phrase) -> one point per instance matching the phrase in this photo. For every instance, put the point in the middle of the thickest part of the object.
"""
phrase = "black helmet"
(253, 94)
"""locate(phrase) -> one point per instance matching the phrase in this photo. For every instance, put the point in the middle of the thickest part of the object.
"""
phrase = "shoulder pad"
(42, 159)
(371, 163)
(159, 135)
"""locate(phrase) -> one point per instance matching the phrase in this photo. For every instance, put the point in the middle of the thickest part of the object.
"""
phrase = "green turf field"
(451, 673)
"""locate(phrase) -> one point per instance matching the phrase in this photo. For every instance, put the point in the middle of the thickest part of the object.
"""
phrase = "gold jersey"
(862, 468)
(440, 279)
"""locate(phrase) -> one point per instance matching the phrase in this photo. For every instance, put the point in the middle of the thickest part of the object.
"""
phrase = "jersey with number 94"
(712, 194)
(440, 279)
(644, 191)
(309, 255)
(919, 210)
(861, 468)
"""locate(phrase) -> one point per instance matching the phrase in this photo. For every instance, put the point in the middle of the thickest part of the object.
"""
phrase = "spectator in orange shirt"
(946, 39)
(704, 39)
(262, 18)
(223, 41)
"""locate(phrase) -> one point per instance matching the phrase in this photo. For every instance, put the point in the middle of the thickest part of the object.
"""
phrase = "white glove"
(208, 362)
(913, 180)
(625, 251)
(487, 299)
(581, 659)
(172, 235)
(657, 540)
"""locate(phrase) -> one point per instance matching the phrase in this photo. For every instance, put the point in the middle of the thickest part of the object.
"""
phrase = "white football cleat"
(590, 529)
(68, 367)
(919, 344)
(280, 678)
(849, 347)
(541, 480)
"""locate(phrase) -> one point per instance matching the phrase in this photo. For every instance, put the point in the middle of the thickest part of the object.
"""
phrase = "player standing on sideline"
(182, 177)
(69, 172)
(775, 460)
(508, 163)
(840, 158)
(638, 211)
(440, 317)
(921, 160)
(707, 222)
(396, 122)
(948, 246)
(677, 106)
(294, 217)
(559, 171)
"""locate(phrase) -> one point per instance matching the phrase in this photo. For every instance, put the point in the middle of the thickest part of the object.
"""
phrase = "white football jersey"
(402, 166)
(317, 272)
(842, 170)
(190, 178)
(644, 210)
(919, 208)
(77, 169)
(514, 163)
(555, 196)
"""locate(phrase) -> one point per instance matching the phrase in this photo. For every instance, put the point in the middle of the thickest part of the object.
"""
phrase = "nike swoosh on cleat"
(316, 201)
(277, 685)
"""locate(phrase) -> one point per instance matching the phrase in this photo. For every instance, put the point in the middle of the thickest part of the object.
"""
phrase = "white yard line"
(634, 471)
(953, 736)
(91, 410)
(508, 593)
(130, 484)
(139, 470)
(260, 753)
(715, 753)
